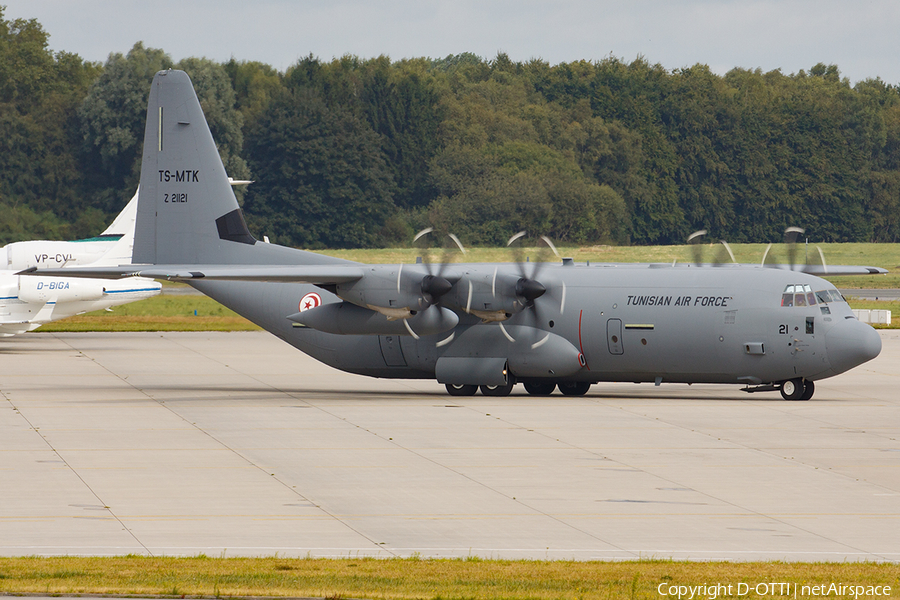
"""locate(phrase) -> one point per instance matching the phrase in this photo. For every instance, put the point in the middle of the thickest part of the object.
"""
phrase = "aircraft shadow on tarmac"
(264, 393)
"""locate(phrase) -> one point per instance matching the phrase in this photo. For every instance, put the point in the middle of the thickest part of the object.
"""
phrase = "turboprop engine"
(346, 318)
(396, 291)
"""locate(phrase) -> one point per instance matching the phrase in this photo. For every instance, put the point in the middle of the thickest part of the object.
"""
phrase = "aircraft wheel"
(808, 390)
(793, 389)
(579, 388)
(497, 390)
(461, 390)
(540, 389)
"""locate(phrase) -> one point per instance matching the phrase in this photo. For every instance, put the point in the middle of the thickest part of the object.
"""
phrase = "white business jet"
(26, 303)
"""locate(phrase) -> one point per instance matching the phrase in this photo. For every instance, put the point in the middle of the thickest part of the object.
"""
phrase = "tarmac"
(236, 444)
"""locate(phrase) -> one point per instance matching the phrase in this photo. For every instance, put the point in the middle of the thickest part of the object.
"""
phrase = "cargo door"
(614, 336)
(391, 350)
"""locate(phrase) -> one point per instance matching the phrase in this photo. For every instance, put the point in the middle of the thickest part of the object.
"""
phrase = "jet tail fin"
(187, 212)
(123, 225)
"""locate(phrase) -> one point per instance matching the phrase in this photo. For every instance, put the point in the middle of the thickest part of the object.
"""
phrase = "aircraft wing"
(315, 274)
(325, 274)
(822, 271)
(817, 270)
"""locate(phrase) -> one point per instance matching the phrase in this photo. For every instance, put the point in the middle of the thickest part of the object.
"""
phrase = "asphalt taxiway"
(237, 444)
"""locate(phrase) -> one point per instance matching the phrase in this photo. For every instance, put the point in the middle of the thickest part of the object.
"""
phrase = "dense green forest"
(361, 153)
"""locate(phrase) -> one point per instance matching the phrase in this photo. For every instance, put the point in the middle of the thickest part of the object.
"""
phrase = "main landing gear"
(539, 389)
(461, 390)
(533, 388)
(486, 390)
(797, 389)
(498, 390)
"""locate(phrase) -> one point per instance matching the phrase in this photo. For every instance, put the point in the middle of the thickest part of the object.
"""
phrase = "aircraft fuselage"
(646, 323)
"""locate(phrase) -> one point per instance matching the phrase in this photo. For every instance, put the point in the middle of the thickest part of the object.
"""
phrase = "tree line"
(364, 152)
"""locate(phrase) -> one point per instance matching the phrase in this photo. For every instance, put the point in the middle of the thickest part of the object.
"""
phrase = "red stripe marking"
(580, 345)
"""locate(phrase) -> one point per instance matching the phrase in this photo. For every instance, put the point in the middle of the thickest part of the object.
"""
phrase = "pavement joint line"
(459, 473)
(69, 466)
(727, 502)
(851, 517)
(777, 458)
(169, 407)
(285, 485)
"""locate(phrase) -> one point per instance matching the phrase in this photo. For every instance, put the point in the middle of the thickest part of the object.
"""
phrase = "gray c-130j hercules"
(487, 326)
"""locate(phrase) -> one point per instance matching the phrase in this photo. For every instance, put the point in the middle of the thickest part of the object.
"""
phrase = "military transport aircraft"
(486, 326)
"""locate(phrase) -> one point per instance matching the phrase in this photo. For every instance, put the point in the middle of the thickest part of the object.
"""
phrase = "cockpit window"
(799, 295)
(829, 296)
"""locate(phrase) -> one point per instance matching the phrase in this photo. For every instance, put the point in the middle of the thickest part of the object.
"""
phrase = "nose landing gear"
(797, 389)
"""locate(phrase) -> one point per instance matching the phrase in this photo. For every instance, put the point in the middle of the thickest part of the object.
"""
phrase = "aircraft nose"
(851, 343)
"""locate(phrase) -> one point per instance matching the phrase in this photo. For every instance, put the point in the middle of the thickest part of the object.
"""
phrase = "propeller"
(722, 256)
(694, 240)
(791, 236)
(528, 288)
(434, 285)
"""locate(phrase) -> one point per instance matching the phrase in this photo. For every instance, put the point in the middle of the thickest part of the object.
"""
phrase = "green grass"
(160, 313)
(412, 578)
(176, 313)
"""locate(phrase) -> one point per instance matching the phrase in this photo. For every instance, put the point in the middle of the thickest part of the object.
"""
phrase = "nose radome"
(850, 344)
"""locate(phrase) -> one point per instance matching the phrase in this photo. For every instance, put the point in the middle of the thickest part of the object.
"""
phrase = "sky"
(861, 37)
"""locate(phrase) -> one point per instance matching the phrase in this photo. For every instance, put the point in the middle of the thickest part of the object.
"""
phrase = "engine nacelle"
(59, 289)
(489, 296)
(345, 318)
(393, 290)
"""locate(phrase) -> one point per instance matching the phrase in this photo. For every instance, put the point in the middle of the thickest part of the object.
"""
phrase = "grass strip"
(160, 313)
(426, 578)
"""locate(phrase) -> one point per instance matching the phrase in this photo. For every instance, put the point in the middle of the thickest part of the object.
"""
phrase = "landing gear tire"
(461, 390)
(579, 388)
(793, 389)
(540, 389)
(497, 390)
(808, 390)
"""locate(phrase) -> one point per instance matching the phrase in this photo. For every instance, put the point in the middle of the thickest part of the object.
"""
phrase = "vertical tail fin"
(187, 212)
(123, 225)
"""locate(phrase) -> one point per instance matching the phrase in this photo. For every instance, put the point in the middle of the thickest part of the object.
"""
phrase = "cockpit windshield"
(825, 296)
(801, 294)
(798, 295)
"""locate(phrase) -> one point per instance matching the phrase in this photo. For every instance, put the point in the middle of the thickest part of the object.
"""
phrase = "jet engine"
(59, 289)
